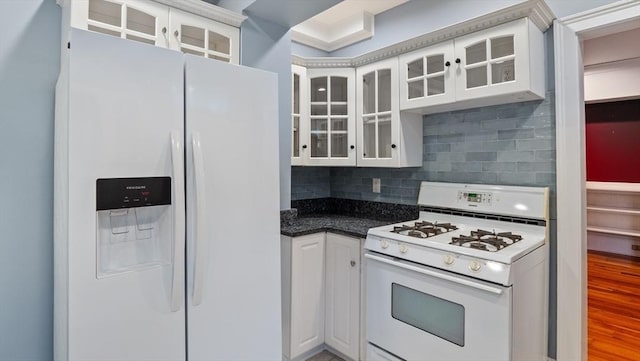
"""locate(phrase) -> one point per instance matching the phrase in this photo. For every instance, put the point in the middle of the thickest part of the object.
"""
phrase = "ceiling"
(344, 24)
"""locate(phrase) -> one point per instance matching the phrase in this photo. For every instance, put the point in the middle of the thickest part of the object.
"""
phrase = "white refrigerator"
(166, 206)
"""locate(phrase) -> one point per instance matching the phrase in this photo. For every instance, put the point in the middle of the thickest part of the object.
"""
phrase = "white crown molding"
(352, 30)
(537, 11)
(201, 8)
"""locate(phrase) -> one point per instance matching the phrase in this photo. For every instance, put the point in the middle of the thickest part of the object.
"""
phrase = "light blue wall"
(29, 64)
(266, 45)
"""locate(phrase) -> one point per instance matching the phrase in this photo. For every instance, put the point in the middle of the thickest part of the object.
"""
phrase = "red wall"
(613, 141)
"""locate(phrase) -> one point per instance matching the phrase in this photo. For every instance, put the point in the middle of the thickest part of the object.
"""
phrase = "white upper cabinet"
(502, 64)
(385, 138)
(330, 134)
(158, 24)
(203, 37)
(428, 76)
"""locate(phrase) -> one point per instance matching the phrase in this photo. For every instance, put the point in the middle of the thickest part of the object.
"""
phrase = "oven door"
(421, 313)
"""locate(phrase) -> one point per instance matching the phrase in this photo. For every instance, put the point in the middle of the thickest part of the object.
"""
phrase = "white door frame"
(569, 32)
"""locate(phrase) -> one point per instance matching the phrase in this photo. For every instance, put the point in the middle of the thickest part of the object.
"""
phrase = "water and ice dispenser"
(134, 219)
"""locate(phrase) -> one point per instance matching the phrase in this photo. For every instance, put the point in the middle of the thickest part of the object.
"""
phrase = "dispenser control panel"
(117, 193)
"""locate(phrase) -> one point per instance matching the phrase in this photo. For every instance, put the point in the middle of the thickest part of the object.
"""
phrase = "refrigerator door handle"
(200, 251)
(178, 220)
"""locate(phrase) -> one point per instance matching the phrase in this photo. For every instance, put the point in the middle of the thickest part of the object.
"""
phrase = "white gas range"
(465, 281)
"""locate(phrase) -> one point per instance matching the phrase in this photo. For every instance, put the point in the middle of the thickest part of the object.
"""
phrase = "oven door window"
(437, 316)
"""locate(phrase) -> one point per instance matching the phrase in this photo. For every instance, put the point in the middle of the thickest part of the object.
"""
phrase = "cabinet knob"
(448, 63)
(353, 263)
(176, 33)
(164, 30)
(353, 147)
(457, 60)
(393, 146)
(304, 146)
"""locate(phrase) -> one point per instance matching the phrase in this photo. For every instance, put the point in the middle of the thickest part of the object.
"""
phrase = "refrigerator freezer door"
(125, 100)
(232, 113)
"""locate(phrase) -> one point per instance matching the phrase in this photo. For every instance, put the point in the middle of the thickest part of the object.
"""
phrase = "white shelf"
(620, 232)
(614, 210)
(614, 187)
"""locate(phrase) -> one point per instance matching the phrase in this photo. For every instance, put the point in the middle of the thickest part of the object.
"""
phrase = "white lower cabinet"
(342, 295)
(321, 295)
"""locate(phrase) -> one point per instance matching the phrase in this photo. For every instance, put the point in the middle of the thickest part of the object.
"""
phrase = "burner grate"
(486, 240)
(424, 229)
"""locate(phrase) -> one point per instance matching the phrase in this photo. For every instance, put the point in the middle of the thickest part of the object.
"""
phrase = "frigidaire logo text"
(136, 187)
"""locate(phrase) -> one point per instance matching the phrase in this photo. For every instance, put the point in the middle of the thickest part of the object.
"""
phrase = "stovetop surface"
(533, 236)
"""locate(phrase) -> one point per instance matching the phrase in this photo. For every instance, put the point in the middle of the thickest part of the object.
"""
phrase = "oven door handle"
(439, 275)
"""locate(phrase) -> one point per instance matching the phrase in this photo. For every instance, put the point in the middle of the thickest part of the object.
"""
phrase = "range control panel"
(117, 193)
(475, 197)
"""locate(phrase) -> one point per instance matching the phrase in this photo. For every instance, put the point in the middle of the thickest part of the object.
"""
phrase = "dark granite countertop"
(350, 226)
(348, 217)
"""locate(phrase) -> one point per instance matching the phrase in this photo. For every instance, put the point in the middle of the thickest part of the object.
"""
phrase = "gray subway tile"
(515, 110)
(451, 138)
(536, 166)
(546, 179)
(433, 148)
(545, 132)
(548, 155)
(466, 167)
(481, 156)
(484, 146)
(512, 178)
(516, 156)
(499, 166)
(498, 124)
(535, 144)
(515, 134)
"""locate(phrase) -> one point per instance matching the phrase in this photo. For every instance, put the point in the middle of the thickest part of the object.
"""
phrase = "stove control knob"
(448, 259)
(403, 248)
(475, 266)
(384, 244)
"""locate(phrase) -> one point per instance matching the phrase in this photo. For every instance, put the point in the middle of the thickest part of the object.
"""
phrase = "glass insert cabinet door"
(493, 61)
(331, 112)
(143, 21)
(299, 113)
(203, 37)
(428, 76)
(376, 115)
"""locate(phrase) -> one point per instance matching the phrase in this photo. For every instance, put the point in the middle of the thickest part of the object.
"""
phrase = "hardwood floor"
(614, 307)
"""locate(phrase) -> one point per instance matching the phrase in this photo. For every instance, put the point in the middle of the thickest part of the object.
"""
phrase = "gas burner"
(486, 241)
(424, 229)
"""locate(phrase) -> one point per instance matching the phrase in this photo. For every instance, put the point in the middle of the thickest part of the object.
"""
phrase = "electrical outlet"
(376, 185)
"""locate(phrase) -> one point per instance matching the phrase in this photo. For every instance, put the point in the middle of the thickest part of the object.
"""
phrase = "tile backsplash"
(511, 144)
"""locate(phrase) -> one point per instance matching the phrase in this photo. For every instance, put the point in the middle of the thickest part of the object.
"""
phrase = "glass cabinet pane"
(319, 145)
(318, 109)
(338, 109)
(339, 145)
(338, 124)
(416, 89)
(105, 12)
(192, 35)
(369, 136)
(296, 136)
(415, 68)
(219, 43)
(384, 90)
(192, 52)
(319, 89)
(435, 63)
(369, 93)
(476, 53)
(141, 22)
(296, 93)
(384, 136)
(435, 85)
(319, 124)
(501, 47)
(338, 89)
(476, 77)
(502, 72)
